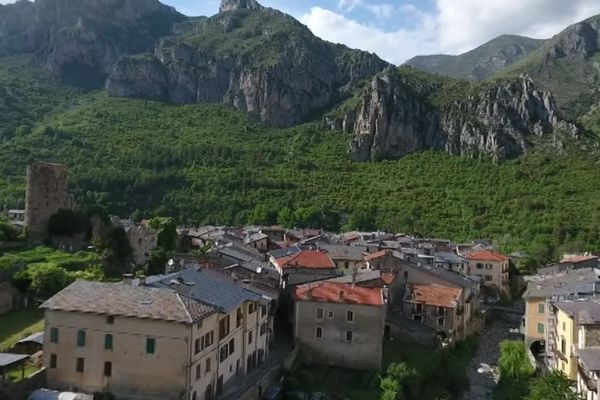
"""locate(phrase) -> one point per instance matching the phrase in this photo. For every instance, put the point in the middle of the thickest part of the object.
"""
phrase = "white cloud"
(455, 26)
(381, 11)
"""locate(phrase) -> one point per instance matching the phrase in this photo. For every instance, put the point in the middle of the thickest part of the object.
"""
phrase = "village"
(232, 310)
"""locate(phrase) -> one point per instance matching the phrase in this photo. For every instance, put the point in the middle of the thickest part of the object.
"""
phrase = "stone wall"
(47, 192)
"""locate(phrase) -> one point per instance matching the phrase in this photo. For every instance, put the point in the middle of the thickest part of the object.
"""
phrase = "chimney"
(341, 295)
(127, 279)
(309, 294)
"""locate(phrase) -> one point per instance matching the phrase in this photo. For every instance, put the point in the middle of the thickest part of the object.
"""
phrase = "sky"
(399, 29)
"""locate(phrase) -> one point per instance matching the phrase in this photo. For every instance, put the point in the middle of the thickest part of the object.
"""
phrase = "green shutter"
(81, 338)
(108, 341)
(150, 346)
(54, 335)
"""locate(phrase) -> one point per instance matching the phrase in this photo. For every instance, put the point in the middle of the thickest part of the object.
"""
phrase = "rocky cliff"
(80, 40)
(255, 59)
(404, 111)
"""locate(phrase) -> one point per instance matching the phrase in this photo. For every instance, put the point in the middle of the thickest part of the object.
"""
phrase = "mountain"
(80, 40)
(405, 110)
(567, 65)
(480, 63)
(257, 60)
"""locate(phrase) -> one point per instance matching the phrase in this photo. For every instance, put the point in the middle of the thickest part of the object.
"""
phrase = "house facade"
(142, 240)
(340, 324)
(188, 349)
(305, 266)
(493, 269)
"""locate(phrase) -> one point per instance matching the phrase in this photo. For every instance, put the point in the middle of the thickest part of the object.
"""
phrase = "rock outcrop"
(254, 59)
(80, 40)
(400, 114)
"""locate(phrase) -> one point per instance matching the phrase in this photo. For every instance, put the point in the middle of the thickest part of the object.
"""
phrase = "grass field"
(16, 325)
(16, 374)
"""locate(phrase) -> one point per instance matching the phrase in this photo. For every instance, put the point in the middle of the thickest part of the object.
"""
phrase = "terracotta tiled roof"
(388, 277)
(307, 259)
(434, 295)
(486, 255)
(377, 255)
(128, 301)
(331, 292)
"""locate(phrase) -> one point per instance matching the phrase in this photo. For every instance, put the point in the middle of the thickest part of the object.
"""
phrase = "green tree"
(167, 232)
(513, 362)
(554, 385)
(157, 261)
(408, 378)
(7, 232)
(68, 223)
(116, 253)
(391, 389)
(47, 279)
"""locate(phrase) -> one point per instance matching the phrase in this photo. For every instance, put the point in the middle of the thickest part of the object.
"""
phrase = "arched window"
(194, 396)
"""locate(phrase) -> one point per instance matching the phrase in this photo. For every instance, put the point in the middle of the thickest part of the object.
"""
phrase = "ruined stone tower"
(47, 192)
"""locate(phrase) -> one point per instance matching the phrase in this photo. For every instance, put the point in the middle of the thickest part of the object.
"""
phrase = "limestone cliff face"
(399, 115)
(254, 59)
(81, 40)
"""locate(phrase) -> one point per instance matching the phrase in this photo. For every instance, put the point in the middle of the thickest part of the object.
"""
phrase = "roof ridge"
(184, 307)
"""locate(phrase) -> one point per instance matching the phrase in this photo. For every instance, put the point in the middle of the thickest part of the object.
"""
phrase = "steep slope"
(80, 40)
(569, 66)
(480, 63)
(255, 59)
(405, 110)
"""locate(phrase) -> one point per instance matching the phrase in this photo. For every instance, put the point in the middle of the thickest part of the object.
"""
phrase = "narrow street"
(482, 384)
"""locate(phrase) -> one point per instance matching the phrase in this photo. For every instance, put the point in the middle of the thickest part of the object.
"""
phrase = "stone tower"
(47, 192)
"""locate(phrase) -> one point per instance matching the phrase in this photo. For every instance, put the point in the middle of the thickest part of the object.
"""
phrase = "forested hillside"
(207, 164)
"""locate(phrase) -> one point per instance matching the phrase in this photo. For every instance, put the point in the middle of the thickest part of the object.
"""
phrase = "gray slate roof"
(207, 287)
(37, 337)
(571, 282)
(585, 312)
(8, 359)
(339, 252)
(590, 356)
(129, 301)
(362, 276)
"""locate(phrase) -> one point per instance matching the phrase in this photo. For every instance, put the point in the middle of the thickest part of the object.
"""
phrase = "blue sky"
(399, 29)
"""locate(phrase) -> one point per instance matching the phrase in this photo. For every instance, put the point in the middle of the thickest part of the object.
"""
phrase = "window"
(320, 314)
(263, 311)
(440, 321)
(223, 353)
(197, 345)
(54, 335)
(488, 278)
(231, 346)
(108, 341)
(541, 308)
(330, 315)
(194, 396)
(53, 361)
(350, 316)
(417, 318)
(348, 336)
(207, 366)
(319, 332)
(224, 327)
(251, 308)
(198, 371)
(488, 266)
(110, 319)
(540, 328)
(563, 345)
(564, 326)
(263, 329)
(209, 339)
(250, 337)
(441, 311)
(150, 345)
(479, 266)
(107, 368)
(419, 307)
(346, 265)
(239, 317)
(80, 338)
(80, 365)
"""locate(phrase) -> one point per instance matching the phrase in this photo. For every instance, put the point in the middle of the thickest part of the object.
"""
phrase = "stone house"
(492, 267)
(305, 266)
(437, 307)
(258, 241)
(142, 240)
(189, 348)
(340, 324)
(588, 373)
(346, 258)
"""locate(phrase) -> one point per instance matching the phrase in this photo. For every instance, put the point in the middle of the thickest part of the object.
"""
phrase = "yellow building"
(575, 329)
(159, 342)
(492, 267)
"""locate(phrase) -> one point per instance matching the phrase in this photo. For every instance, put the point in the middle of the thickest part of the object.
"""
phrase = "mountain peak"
(233, 5)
